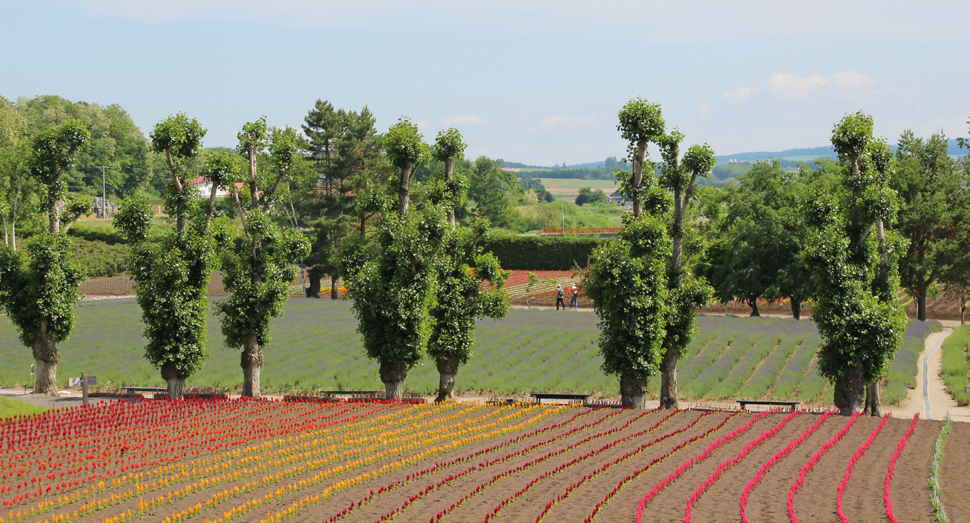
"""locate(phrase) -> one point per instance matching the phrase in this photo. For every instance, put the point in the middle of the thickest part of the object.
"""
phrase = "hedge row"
(541, 253)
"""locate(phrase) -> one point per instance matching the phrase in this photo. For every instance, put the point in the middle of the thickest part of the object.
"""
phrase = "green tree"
(172, 275)
(463, 272)
(394, 291)
(40, 292)
(257, 263)
(587, 195)
(353, 161)
(687, 292)
(627, 282)
(756, 246)
(640, 124)
(494, 192)
(933, 207)
(854, 267)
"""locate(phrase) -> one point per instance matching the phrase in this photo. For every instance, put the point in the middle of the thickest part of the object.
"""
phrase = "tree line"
(846, 233)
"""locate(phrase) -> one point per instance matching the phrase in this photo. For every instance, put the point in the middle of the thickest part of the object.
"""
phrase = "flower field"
(314, 345)
(213, 461)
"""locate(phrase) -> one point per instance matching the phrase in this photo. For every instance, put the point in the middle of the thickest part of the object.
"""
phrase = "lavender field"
(314, 346)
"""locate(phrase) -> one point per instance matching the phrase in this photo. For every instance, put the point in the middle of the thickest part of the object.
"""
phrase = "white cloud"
(705, 111)
(739, 95)
(852, 80)
(556, 120)
(462, 118)
(785, 85)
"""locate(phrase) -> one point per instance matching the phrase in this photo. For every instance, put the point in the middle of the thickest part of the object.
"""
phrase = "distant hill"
(805, 154)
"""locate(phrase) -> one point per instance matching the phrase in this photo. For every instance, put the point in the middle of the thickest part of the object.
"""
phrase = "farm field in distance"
(315, 346)
(214, 461)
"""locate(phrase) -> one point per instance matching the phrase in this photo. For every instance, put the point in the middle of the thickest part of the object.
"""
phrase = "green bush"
(100, 259)
(541, 253)
(107, 236)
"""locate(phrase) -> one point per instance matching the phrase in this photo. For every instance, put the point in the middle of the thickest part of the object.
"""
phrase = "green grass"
(9, 407)
(315, 346)
(572, 183)
(955, 367)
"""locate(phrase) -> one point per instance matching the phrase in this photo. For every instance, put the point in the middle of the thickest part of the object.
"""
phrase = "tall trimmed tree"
(687, 292)
(463, 273)
(257, 264)
(172, 274)
(39, 291)
(393, 293)
(854, 263)
(627, 282)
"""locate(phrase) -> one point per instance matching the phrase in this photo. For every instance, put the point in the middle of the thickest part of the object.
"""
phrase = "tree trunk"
(393, 374)
(921, 304)
(638, 176)
(753, 303)
(449, 176)
(334, 289)
(251, 363)
(873, 399)
(850, 391)
(45, 378)
(314, 290)
(963, 309)
(173, 380)
(796, 308)
(45, 357)
(668, 379)
(633, 391)
(404, 192)
(447, 369)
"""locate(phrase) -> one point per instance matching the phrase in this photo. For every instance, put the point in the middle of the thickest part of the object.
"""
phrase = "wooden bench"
(539, 396)
(144, 389)
(769, 402)
(355, 393)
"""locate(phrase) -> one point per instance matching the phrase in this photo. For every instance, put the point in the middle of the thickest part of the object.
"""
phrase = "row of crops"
(955, 364)
(315, 346)
(266, 461)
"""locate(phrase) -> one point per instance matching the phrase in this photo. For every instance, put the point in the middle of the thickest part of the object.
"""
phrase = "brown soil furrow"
(722, 502)
(816, 501)
(579, 504)
(954, 479)
(528, 506)
(623, 506)
(443, 497)
(767, 502)
(909, 491)
(869, 475)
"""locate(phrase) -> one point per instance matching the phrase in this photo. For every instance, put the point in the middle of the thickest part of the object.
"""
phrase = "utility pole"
(104, 200)
(563, 212)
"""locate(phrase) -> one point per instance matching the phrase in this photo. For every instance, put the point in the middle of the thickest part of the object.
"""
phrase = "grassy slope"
(315, 346)
(9, 407)
(571, 183)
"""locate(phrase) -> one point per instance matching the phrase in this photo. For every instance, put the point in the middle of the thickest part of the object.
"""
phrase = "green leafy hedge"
(541, 253)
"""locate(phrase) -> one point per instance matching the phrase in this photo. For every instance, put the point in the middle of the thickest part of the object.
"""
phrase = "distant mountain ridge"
(803, 154)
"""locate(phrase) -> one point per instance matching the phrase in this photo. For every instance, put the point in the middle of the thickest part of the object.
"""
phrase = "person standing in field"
(574, 301)
(559, 296)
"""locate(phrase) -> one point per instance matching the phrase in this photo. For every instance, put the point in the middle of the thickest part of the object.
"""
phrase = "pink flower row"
(569, 490)
(712, 479)
(848, 471)
(806, 468)
(774, 460)
(690, 462)
(650, 465)
(582, 458)
(892, 468)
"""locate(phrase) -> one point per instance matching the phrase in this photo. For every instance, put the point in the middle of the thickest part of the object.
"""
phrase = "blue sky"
(538, 82)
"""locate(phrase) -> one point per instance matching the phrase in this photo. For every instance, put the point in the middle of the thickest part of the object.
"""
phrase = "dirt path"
(930, 398)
